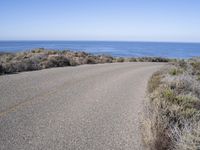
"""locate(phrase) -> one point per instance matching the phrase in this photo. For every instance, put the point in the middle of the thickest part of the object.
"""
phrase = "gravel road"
(89, 107)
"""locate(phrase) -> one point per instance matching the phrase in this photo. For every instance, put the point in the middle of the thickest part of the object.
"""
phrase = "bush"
(153, 59)
(182, 64)
(196, 65)
(57, 61)
(120, 59)
(105, 59)
(41, 58)
(91, 60)
(39, 50)
(9, 68)
(173, 107)
(1, 69)
(133, 60)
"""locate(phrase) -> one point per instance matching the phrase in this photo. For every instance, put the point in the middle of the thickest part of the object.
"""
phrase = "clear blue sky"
(131, 20)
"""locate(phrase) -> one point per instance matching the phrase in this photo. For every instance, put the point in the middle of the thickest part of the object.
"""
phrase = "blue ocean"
(119, 49)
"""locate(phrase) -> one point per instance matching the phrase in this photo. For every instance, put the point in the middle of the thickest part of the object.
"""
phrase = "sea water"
(113, 48)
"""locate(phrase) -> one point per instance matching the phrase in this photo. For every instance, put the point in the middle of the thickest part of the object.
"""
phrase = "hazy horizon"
(38, 40)
(112, 20)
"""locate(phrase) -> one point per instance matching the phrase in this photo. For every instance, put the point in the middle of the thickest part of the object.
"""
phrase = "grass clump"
(168, 95)
(196, 65)
(198, 77)
(154, 82)
(175, 71)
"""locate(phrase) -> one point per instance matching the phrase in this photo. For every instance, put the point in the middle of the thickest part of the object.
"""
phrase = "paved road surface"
(89, 107)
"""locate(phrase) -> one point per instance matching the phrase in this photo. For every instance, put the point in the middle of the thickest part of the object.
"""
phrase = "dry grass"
(154, 82)
(172, 116)
(188, 137)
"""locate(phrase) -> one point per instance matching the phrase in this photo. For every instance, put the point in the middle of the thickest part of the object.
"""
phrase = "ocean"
(119, 49)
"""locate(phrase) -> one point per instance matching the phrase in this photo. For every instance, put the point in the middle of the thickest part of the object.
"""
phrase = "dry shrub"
(105, 59)
(196, 65)
(172, 116)
(42, 58)
(154, 59)
(91, 60)
(188, 138)
(132, 59)
(155, 127)
(120, 59)
(57, 61)
(1, 69)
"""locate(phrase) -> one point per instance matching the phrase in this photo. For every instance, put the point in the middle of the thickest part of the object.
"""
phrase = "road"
(89, 107)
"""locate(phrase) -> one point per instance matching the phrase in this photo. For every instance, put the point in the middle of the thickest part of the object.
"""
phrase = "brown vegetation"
(38, 59)
(172, 116)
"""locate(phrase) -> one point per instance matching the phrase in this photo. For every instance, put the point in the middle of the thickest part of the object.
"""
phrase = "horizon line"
(141, 41)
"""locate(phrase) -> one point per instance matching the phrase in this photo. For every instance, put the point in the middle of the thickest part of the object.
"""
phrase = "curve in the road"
(86, 107)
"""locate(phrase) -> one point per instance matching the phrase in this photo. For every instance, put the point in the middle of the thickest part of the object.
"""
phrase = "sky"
(112, 20)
